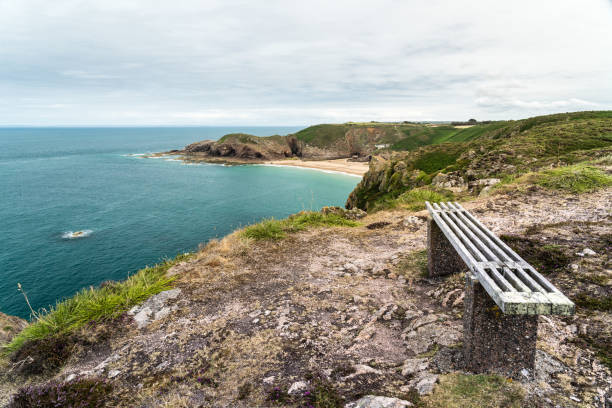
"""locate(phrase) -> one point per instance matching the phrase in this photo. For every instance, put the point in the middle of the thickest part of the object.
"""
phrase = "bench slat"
(515, 286)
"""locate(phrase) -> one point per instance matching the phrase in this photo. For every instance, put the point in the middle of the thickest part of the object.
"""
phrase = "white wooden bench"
(504, 294)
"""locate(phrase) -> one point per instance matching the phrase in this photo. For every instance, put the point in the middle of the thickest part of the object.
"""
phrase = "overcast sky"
(263, 62)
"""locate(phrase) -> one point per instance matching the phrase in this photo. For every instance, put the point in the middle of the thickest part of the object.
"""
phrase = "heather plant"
(85, 393)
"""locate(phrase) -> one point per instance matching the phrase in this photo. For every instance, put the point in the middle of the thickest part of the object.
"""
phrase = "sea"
(133, 211)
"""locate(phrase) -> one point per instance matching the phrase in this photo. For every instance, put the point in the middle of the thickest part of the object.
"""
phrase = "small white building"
(382, 146)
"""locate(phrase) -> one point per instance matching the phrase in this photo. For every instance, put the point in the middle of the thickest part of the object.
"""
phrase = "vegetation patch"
(77, 393)
(602, 304)
(545, 258)
(95, 304)
(434, 161)
(475, 391)
(278, 229)
(575, 179)
(414, 265)
(414, 200)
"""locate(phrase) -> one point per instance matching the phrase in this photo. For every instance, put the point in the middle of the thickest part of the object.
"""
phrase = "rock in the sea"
(373, 401)
(10, 326)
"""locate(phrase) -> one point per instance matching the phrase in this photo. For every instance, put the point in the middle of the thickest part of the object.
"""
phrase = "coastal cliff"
(334, 308)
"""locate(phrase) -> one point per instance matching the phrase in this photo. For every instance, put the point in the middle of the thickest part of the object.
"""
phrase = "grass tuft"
(94, 304)
(576, 179)
(475, 391)
(278, 229)
(414, 200)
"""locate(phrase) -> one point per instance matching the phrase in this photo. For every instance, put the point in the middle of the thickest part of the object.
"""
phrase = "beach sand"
(340, 165)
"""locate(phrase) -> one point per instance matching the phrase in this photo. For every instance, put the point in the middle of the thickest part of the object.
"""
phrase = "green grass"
(575, 179)
(475, 391)
(322, 135)
(434, 161)
(277, 229)
(95, 304)
(414, 200)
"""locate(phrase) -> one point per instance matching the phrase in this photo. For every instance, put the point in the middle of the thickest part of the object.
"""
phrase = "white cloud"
(284, 62)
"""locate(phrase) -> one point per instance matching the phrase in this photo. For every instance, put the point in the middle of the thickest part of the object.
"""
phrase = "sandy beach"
(339, 165)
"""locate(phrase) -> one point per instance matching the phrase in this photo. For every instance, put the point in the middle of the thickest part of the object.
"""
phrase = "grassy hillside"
(495, 150)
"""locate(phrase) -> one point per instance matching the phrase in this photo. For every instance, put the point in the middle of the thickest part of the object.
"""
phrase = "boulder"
(154, 308)
(450, 181)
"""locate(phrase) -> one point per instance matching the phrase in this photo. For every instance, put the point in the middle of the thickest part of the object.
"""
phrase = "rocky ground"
(327, 317)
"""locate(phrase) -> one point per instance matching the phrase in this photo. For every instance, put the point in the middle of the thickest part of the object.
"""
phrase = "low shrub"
(575, 179)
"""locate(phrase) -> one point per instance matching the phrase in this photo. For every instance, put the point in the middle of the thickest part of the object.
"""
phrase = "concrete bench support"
(442, 258)
(494, 341)
(504, 294)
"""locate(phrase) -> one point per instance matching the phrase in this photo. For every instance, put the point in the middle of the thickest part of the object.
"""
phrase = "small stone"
(574, 267)
(70, 377)
(574, 398)
(297, 387)
(143, 317)
(255, 321)
(588, 252)
(426, 385)
(373, 401)
(525, 373)
(414, 365)
(267, 313)
(269, 380)
(113, 373)
(392, 275)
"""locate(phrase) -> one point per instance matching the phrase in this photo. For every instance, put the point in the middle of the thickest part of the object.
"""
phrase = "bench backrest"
(515, 286)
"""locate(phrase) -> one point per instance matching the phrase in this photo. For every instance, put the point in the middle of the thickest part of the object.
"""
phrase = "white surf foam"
(76, 234)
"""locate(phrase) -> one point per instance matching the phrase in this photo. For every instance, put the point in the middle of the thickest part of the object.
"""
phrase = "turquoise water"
(138, 211)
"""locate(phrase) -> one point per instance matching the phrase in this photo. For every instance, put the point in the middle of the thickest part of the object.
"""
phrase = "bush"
(576, 179)
(94, 304)
(89, 393)
(278, 229)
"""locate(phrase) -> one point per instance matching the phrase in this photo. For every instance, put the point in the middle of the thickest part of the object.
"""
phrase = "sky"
(183, 62)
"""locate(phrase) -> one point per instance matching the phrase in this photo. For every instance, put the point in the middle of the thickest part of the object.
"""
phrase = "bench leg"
(442, 258)
(492, 341)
